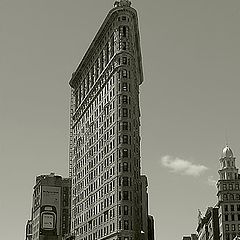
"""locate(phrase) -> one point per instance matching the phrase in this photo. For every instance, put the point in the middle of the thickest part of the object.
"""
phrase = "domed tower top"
(227, 152)
(122, 3)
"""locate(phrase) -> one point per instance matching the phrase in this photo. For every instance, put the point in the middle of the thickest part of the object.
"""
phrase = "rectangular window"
(226, 208)
(238, 207)
(124, 73)
(125, 127)
(124, 86)
(125, 139)
(230, 187)
(125, 210)
(237, 186)
(126, 225)
(125, 112)
(124, 60)
(125, 195)
(232, 208)
(125, 99)
(125, 152)
(125, 168)
(125, 181)
(227, 227)
(232, 217)
(233, 227)
(226, 217)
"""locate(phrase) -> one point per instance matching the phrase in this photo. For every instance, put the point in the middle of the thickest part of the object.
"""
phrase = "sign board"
(51, 196)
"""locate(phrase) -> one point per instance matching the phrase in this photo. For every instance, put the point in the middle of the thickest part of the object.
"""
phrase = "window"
(224, 187)
(125, 195)
(125, 99)
(225, 197)
(125, 139)
(232, 208)
(238, 227)
(125, 112)
(125, 167)
(233, 227)
(126, 225)
(124, 60)
(227, 227)
(125, 210)
(238, 217)
(125, 152)
(124, 73)
(124, 31)
(125, 127)
(226, 217)
(124, 86)
(232, 217)
(231, 197)
(238, 207)
(125, 181)
(230, 186)
(237, 186)
(226, 208)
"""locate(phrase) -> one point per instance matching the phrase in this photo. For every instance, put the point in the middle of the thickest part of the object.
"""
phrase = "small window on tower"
(226, 208)
(227, 227)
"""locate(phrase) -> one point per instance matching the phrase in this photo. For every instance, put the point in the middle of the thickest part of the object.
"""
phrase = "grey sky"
(189, 99)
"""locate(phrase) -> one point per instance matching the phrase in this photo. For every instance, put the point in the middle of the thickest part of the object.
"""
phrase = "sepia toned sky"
(189, 100)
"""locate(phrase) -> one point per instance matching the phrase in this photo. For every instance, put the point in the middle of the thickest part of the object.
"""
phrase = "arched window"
(225, 197)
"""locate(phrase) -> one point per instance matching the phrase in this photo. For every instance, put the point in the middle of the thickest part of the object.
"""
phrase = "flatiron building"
(104, 152)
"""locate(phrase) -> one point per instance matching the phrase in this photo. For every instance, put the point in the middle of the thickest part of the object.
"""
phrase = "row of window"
(231, 207)
(234, 227)
(231, 186)
(232, 217)
(231, 197)
(98, 233)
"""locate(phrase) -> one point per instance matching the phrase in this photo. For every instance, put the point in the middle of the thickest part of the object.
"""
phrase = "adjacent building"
(28, 230)
(208, 225)
(50, 208)
(109, 196)
(228, 196)
(222, 222)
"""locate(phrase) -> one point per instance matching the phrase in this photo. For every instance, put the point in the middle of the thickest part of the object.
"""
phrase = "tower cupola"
(227, 152)
(228, 168)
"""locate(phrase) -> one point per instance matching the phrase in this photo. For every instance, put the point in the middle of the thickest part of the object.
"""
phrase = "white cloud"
(182, 166)
(212, 181)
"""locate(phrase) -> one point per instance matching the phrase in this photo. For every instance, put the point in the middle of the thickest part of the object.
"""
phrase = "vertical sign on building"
(51, 196)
